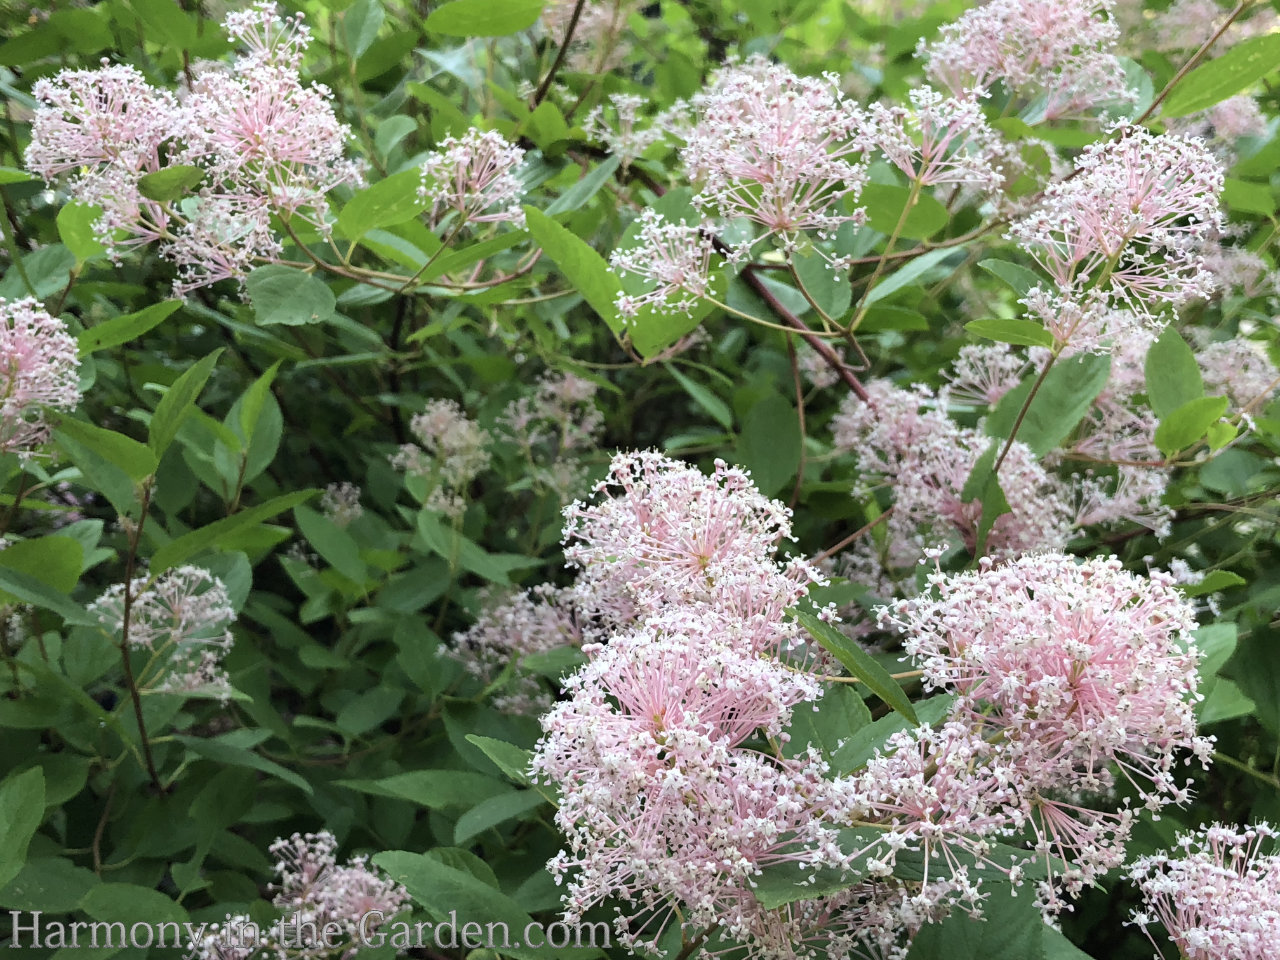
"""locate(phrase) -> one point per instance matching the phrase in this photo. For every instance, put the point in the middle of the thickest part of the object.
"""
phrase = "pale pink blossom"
(103, 131)
(784, 151)
(341, 503)
(268, 147)
(39, 374)
(983, 373)
(939, 140)
(1217, 895)
(1057, 54)
(665, 534)
(675, 257)
(617, 127)
(451, 451)
(1240, 370)
(1086, 676)
(927, 458)
(183, 617)
(510, 628)
(1130, 222)
(475, 177)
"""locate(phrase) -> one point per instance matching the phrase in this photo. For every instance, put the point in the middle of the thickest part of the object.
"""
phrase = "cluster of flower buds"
(182, 618)
(257, 144)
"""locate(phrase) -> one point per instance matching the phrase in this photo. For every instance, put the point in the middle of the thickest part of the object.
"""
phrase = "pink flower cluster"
(39, 368)
(665, 802)
(1127, 227)
(475, 178)
(451, 451)
(553, 427)
(785, 152)
(513, 627)
(183, 617)
(266, 146)
(1240, 370)
(598, 43)
(1218, 896)
(906, 438)
(1057, 55)
(1068, 680)
(339, 902)
(1069, 677)
(341, 503)
(939, 140)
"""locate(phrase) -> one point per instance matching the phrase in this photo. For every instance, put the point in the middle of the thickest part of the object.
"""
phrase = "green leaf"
(586, 188)
(1173, 375)
(510, 759)
(483, 18)
(368, 710)
(360, 25)
(841, 714)
(14, 175)
(1238, 69)
(1243, 196)
(30, 590)
(830, 289)
(337, 547)
(75, 228)
(55, 561)
(450, 893)
(885, 203)
(132, 457)
(126, 903)
(707, 400)
(188, 545)
(390, 201)
(1058, 947)
(1011, 929)
(285, 295)
(1023, 333)
(907, 274)
(178, 402)
(1022, 280)
(1214, 581)
(783, 883)
(1065, 396)
(859, 664)
(585, 269)
(166, 23)
(21, 810)
(171, 183)
(223, 750)
(494, 811)
(130, 326)
(770, 443)
(464, 553)
(434, 789)
(1188, 424)
(48, 884)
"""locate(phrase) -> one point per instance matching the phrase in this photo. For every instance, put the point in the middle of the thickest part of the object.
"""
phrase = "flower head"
(475, 176)
(1217, 896)
(39, 367)
(184, 617)
(1131, 221)
(1061, 51)
(784, 151)
(453, 451)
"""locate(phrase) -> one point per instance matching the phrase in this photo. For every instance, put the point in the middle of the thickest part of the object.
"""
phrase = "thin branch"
(545, 86)
(1192, 61)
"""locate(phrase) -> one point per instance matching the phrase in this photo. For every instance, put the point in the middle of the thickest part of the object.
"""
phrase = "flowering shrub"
(748, 480)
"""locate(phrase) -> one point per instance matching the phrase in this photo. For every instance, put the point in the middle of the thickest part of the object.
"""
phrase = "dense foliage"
(738, 479)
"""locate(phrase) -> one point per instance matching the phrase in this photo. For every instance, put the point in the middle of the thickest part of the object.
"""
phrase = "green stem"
(865, 303)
